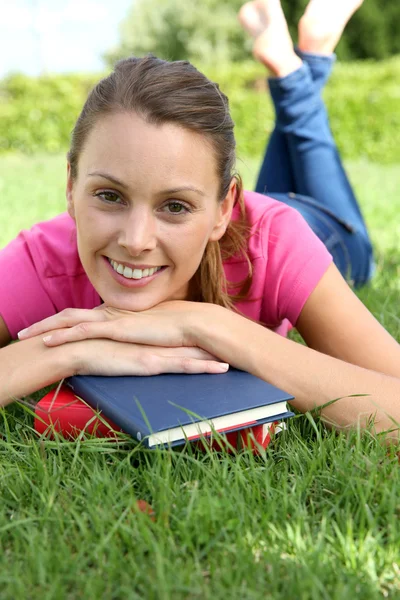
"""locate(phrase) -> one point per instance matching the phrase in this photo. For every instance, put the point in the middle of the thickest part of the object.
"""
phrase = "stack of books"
(167, 410)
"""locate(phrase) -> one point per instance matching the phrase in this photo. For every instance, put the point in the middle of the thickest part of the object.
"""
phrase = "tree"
(208, 31)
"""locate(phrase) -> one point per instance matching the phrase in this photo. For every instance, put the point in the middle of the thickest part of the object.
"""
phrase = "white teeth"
(132, 274)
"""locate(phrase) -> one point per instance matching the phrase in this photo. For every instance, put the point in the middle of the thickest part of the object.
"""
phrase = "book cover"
(167, 409)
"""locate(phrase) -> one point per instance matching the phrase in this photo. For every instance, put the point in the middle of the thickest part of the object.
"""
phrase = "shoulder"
(280, 234)
(288, 259)
(42, 274)
(53, 245)
(270, 221)
(261, 208)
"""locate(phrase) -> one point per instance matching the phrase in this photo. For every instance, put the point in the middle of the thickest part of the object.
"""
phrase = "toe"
(250, 19)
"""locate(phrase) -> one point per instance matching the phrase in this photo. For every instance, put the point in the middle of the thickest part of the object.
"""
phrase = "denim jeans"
(302, 168)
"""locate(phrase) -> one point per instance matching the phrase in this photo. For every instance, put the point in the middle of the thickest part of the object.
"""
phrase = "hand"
(73, 325)
(178, 324)
(110, 358)
(167, 324)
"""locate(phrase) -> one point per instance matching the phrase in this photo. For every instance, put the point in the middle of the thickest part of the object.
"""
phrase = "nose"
(138, 232)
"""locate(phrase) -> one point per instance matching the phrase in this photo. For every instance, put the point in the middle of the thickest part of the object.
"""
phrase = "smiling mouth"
(129, 273)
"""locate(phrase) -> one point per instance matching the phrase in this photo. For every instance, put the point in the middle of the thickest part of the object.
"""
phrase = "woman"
(183, 269)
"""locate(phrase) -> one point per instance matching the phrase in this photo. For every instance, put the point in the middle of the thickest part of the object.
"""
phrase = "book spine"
(93, 397)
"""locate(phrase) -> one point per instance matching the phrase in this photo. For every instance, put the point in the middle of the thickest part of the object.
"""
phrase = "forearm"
(311, 377)
(29, 366)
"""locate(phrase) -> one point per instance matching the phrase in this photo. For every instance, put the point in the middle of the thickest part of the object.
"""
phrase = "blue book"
(169, 409)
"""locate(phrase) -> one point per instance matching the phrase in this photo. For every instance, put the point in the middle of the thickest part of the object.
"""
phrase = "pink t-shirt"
(41, 273)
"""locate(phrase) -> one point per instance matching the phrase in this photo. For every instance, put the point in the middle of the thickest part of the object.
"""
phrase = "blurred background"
(47, 36)
(53, 51)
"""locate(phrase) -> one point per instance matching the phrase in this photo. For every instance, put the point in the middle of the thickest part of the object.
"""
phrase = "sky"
(50, 36)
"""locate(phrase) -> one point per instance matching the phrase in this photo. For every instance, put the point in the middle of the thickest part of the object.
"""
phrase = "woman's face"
(145, 205)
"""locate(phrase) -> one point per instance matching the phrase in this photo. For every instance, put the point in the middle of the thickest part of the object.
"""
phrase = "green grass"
(315, 517)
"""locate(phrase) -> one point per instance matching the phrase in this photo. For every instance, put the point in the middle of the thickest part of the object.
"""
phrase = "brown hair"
(176, 92)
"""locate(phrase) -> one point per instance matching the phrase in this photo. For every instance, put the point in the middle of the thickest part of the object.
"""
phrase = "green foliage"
(362, 99)
(371, 33)
(208, 31)
(178, 30)
(315, 516)
(38, 114)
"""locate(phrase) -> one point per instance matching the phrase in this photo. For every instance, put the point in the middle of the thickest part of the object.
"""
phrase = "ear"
(69, 194)
(224, 213)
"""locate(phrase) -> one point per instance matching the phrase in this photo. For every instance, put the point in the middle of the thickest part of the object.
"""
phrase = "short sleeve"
(23, 299)
(296, 260)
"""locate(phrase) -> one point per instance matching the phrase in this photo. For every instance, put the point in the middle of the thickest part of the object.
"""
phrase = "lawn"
(315, 517)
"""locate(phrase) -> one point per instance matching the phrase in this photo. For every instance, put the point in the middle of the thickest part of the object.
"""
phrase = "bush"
(362, 99)
(38, 114)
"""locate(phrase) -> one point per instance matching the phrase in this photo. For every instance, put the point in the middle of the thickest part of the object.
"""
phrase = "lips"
(131, 282)
(133, 273)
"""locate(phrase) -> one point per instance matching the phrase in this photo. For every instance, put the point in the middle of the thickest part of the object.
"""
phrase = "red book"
(62, 411)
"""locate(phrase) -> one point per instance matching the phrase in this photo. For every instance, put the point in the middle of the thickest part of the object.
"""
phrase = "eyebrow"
(183, 188)
(107, 176)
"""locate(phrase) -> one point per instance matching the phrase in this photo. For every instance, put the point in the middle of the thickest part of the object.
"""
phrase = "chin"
(132, 304)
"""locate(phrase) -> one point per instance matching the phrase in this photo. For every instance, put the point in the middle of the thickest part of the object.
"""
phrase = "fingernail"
(223, 366)
(47, 338)
(21, 333)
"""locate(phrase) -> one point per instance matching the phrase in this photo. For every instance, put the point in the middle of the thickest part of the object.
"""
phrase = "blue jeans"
(302, 168)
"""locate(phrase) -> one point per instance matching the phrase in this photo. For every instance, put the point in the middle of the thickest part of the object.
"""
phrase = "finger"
(189, 366)
(120, 330)
(66, 318)
(197, 353)
(189, 351)
(116, 331)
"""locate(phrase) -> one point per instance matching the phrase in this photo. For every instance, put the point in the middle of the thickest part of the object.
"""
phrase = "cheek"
(94, 228)
(187, 242)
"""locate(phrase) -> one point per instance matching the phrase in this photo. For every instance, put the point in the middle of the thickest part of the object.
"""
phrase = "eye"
(109, 197)
(177, 208)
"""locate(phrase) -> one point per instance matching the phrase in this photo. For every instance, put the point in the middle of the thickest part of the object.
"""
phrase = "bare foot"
(323, 22)
(273, 46)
